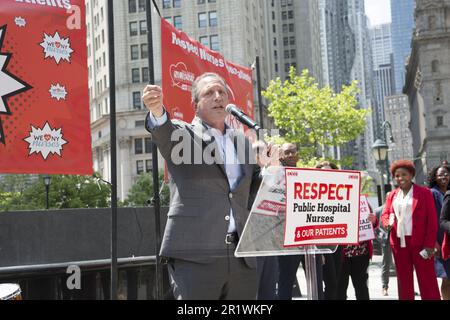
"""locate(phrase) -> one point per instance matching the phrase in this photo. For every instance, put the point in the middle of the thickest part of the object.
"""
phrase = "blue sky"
(378, 11)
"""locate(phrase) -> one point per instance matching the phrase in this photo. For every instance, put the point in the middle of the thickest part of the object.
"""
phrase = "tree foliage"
(65, 191)
(142, 191)
(314, 118)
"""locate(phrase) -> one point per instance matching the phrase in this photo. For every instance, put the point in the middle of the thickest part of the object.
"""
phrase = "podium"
(263, 234)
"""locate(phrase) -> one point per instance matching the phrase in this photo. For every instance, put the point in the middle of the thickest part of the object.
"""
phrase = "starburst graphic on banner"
(45, 141)
(56, 47)
(9, 84)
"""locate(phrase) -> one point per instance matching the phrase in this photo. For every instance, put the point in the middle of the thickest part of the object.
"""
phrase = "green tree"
(314, 118)
(142, 191)
(66, 191)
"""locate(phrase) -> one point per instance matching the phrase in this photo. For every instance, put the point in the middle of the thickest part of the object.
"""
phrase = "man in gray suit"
(213, 175)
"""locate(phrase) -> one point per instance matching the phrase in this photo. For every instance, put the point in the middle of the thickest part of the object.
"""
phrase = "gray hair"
(195, 89)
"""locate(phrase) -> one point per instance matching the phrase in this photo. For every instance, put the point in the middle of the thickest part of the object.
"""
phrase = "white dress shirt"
(227, 153)
(403, 212)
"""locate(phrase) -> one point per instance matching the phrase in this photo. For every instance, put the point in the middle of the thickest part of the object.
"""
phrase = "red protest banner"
(183, 59)
(44, 99)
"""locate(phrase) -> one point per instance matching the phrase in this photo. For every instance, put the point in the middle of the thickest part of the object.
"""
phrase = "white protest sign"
(366, 231)
(271, 199)
(322, 207)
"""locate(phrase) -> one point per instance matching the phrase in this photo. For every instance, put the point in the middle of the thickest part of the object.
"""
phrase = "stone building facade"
(428, 85)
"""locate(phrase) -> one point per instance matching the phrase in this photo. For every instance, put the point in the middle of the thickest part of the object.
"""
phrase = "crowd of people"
(210, 205)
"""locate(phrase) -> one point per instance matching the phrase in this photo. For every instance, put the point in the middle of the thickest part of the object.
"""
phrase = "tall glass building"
(402, 12)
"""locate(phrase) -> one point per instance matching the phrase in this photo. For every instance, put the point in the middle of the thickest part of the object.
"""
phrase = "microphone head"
(230, 107)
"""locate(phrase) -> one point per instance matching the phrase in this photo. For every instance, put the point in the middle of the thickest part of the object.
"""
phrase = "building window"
(285, 41)
(168, 19)
(204, 40)
(177, 3)
(177, 22)
(143, 27)
(213, 19)
(285, 28)
(214, 40)
(144, 51)
(137, 100)
(133, 28)
(200, 1)
(202, 20)
(134, 52)
(274, 28)
(286, 54)
(275, 42)
(276, 67)
(291, 27)
(211, 1)
(275, 54)
(287, 66)
(141, 5)
(135, 75)
(440, 121)
(166, 4)
(139, 166)
(293, 54)
(291, 14)
(148, 165)
(145, 75)
(435, 66)
(139, 124)
(138, 146)
(132, 8)
(148, 145)
(284, 15)
(292, 41)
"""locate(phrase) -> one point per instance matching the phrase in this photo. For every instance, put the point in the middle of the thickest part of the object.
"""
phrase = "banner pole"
(112, 110)
(258, 84)
(156, 202)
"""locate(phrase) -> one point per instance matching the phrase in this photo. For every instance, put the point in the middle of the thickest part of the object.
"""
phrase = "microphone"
(242, 117)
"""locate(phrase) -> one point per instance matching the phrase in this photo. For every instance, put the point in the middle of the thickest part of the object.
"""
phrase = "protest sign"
(366, 231)
(322, 207)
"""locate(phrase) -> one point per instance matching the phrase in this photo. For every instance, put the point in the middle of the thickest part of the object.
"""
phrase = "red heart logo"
(47, 137)
(57, 44)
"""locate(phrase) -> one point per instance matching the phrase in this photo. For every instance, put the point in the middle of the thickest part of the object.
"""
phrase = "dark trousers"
(288, 266)
(356, 268)
(227, 278)
(331, 269)
(386, 263)
(267, 277)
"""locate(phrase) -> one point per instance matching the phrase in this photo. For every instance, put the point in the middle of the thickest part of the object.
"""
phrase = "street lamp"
(379, 151)
(384, 126)
(47, 188)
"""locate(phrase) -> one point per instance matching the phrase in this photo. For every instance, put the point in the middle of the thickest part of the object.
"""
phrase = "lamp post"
(384, 126)
(47, 180)
(379, 151)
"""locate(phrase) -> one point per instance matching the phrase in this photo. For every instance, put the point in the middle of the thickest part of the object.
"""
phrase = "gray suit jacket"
(200, 195)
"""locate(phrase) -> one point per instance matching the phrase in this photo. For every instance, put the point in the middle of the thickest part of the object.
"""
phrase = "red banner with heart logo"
(44, 97)
(184, 59)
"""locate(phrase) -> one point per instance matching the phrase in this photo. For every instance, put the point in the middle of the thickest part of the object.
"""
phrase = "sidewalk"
(375, 287)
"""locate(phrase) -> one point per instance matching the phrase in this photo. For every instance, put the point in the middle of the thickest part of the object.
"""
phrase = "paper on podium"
(263, 234)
